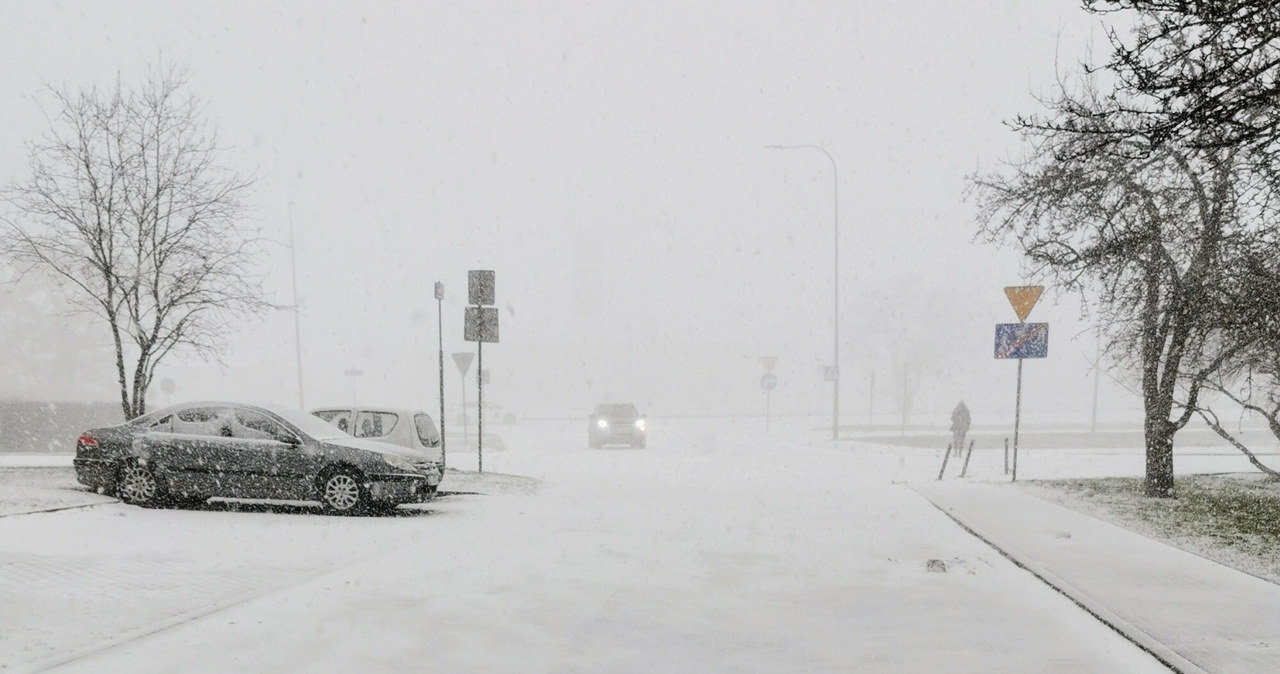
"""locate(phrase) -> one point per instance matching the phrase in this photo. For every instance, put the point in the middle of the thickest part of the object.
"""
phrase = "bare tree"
(127, 207)
(1152, 197)
(1155, 241)
(1251, 380)
(1195, 73)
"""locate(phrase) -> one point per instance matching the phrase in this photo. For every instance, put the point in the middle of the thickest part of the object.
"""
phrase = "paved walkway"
(1192, 613)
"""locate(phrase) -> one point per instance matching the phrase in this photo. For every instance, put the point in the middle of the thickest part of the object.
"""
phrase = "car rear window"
(617, 411)
(375, 424)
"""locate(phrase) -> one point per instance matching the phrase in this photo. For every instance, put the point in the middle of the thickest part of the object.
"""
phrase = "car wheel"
(638, 444)
(342, 494)
(136, 484)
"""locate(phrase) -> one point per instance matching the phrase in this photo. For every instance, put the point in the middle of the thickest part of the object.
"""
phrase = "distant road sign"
(463, 360)
(480, 286)
(1022, 340)
(768, 381)
(768, 362)
(1023, 298)
(480, 324)
(830, 374)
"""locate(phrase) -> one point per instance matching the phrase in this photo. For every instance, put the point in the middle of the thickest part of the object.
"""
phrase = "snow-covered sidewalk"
(1192, 613)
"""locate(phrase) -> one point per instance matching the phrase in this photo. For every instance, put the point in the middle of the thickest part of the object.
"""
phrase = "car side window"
(250, 425)
(164, 425)
(206, 421)
(426, 428)
(375, 424)
(339, 418)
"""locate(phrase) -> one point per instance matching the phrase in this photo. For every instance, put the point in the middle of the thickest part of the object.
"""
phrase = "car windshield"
(617, 411)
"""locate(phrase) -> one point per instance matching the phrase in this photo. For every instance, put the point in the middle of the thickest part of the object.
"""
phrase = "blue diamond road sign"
(1022, 340)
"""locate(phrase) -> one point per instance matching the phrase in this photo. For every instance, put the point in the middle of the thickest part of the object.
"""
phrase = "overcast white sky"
(610, 164)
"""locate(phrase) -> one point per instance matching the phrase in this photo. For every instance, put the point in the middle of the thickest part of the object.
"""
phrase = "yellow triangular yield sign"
(1023, 298)
(767, 362)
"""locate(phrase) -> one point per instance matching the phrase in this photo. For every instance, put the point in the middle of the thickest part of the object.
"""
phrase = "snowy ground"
(712, 551)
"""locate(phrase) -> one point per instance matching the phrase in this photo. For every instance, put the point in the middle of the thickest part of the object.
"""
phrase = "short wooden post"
(946, 455)
(968, 454)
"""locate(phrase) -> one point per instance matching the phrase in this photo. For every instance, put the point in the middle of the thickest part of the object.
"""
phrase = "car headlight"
(399, 463)
(640, 425)
(602, 423)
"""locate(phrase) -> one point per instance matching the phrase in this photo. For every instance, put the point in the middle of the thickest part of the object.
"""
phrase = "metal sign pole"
(1017, 419)
(766, 411)
(466, 438)
(480, 407)
(440, 343)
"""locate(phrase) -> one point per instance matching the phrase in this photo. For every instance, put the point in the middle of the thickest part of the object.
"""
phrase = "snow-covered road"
(711, 551)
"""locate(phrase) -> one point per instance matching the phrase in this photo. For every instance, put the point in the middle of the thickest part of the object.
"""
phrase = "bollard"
(945, 456)
(964, 469)
(1006, 456)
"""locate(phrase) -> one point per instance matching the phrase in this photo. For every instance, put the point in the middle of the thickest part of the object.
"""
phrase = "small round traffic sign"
(768, 381)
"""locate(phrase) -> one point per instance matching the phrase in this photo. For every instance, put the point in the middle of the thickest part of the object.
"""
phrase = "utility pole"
(297, 327)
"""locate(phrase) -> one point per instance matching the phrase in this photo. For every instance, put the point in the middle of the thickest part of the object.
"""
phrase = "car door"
(182, 449)
(255, 446)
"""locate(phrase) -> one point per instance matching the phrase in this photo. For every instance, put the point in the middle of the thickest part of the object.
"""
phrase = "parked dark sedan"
(189, 453)
(616, 423)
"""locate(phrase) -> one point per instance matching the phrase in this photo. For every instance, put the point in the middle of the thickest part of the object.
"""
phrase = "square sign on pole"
(481, 324)
(480, 287)
(1022, 340)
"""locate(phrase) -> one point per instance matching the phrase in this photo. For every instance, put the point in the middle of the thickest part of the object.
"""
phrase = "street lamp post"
(835, 283)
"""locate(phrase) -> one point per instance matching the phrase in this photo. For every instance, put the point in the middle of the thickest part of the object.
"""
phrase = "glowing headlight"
(399, 463)
(602, 423)
(640, 424)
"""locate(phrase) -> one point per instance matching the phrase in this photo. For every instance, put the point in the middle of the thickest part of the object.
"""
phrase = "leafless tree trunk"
(128, 208)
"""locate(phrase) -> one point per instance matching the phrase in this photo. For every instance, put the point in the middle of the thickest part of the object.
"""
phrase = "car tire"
(637, 444)
(341, 492)
(136, 484)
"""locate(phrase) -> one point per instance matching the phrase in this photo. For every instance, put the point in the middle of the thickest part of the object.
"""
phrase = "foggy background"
(609, 163)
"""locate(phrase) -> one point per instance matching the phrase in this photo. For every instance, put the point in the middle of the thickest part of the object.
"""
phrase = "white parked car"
(414, 429)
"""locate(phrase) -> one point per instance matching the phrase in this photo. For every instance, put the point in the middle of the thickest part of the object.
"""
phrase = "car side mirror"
(289, 439)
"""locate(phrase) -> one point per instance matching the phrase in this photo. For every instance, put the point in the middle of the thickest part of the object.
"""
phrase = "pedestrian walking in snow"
(959, 427)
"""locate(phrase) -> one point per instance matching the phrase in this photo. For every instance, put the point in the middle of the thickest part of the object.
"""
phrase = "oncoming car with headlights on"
(188, 453)
(617, 424)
